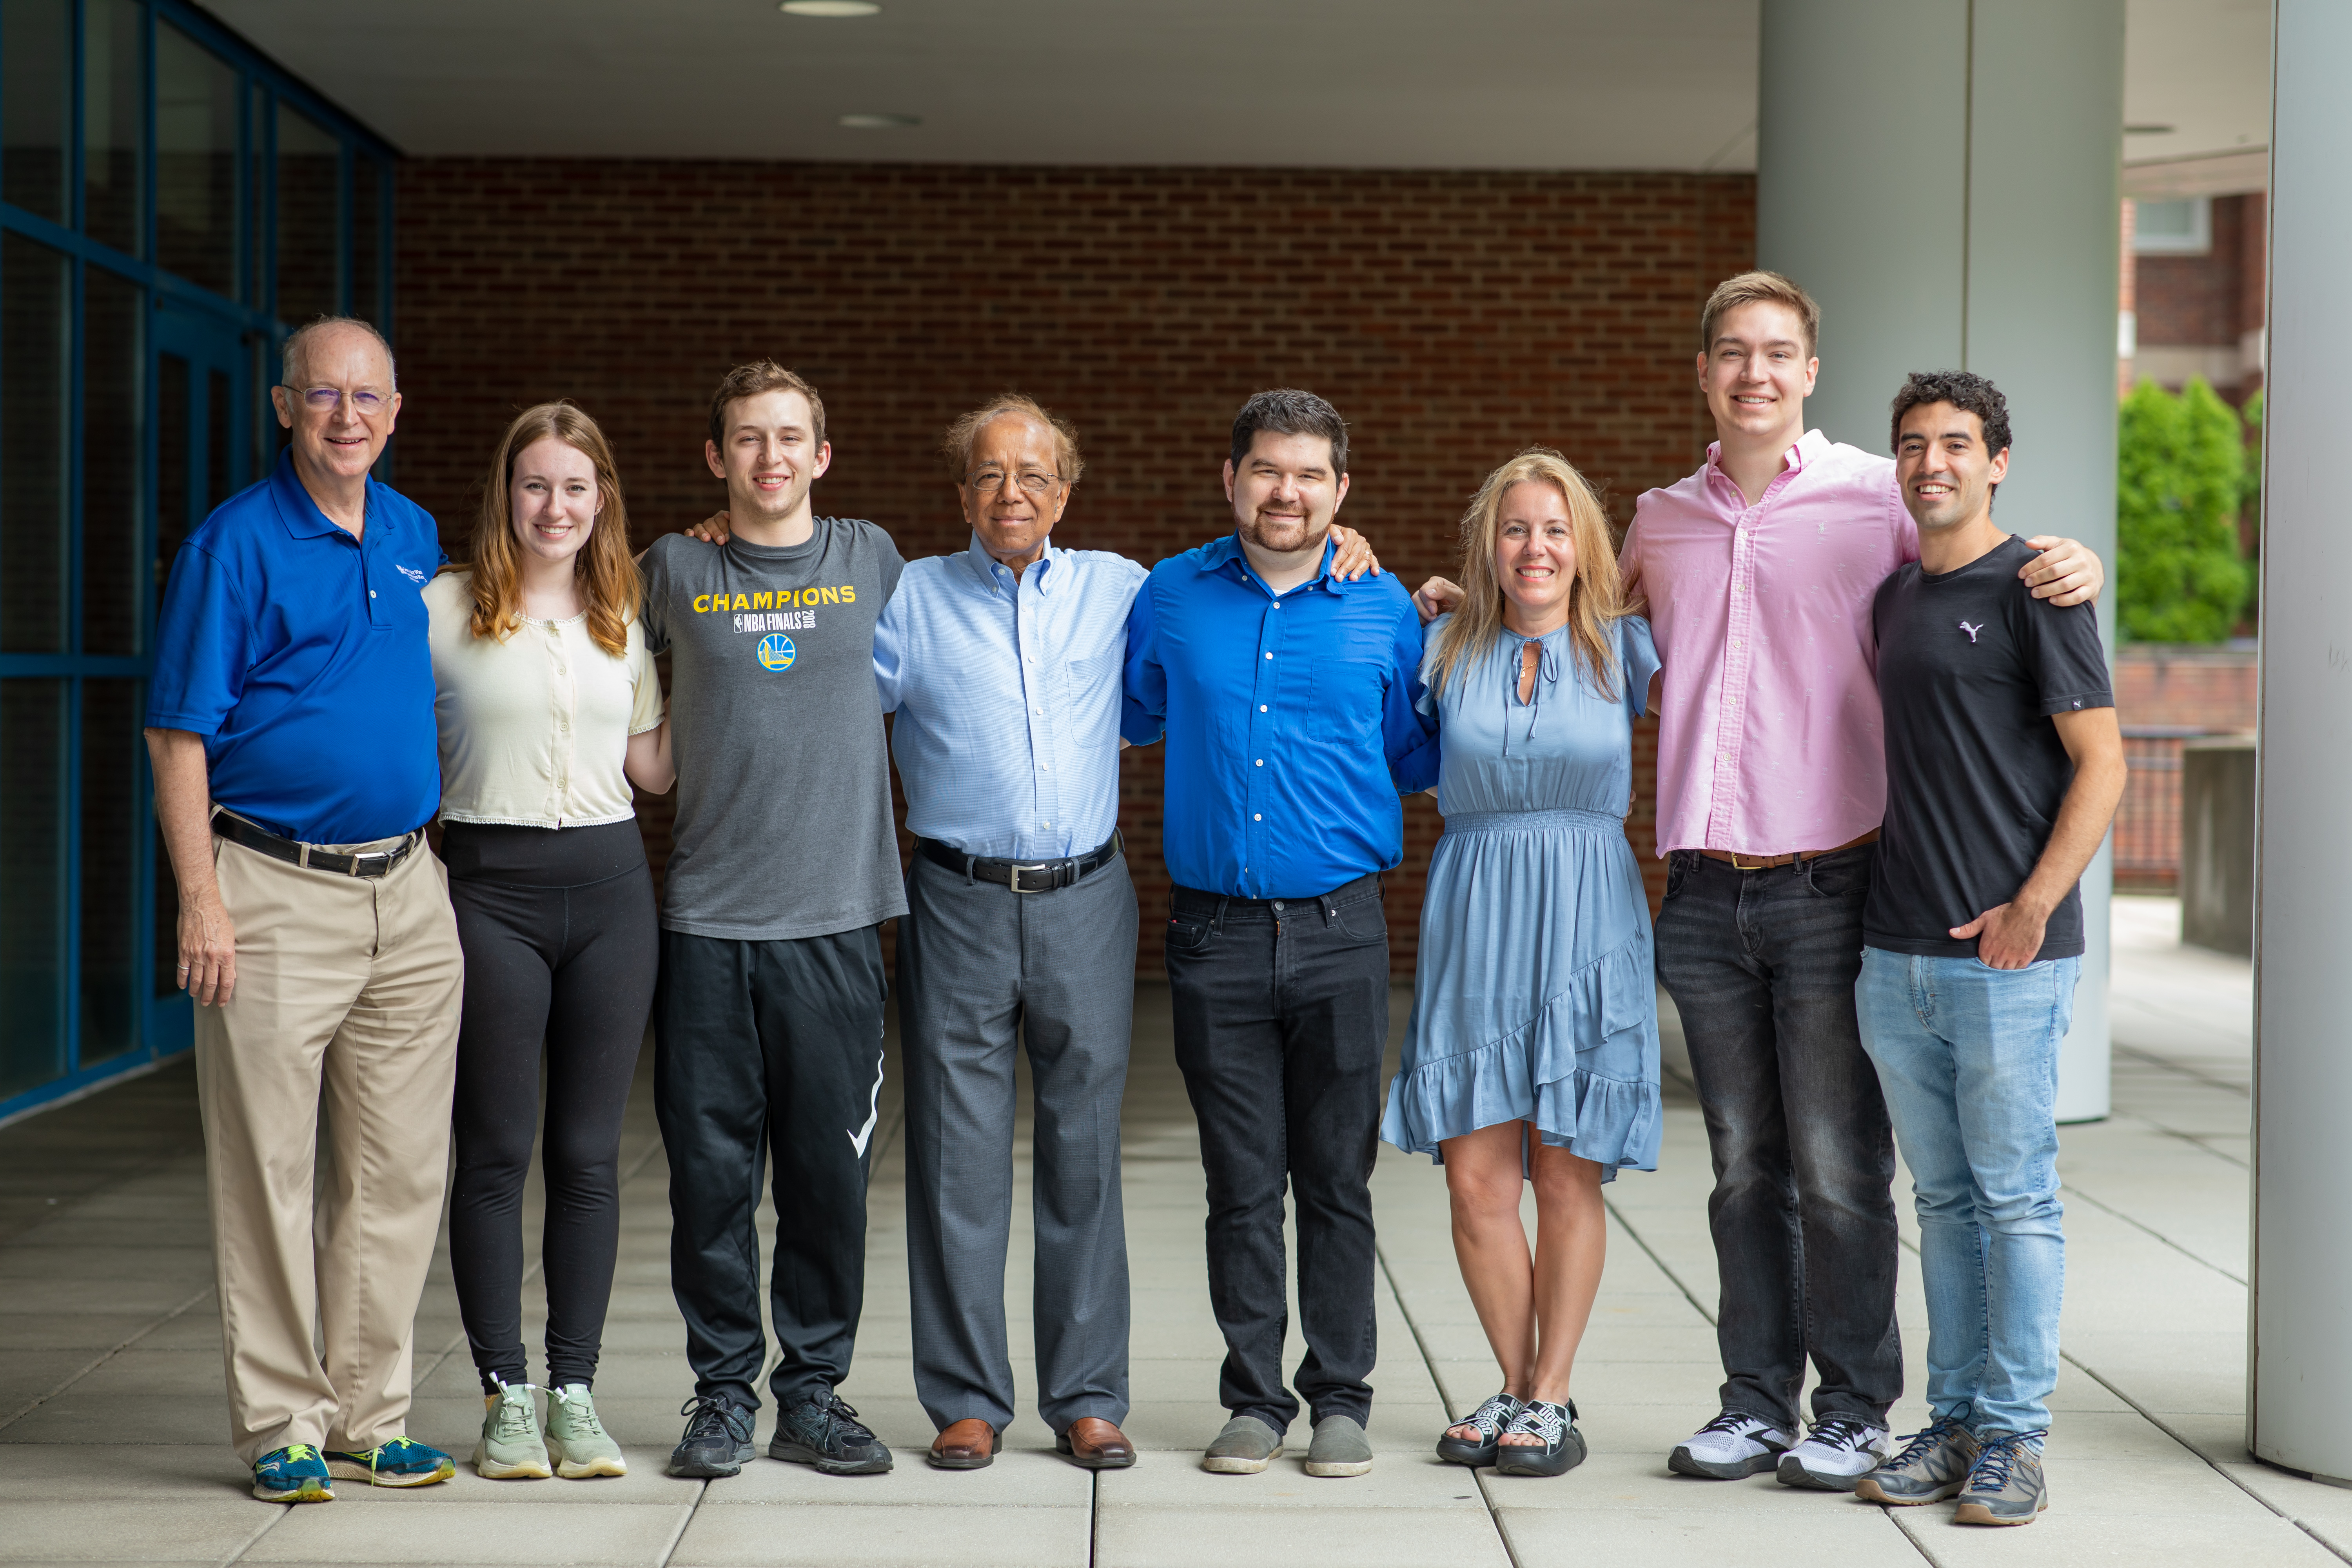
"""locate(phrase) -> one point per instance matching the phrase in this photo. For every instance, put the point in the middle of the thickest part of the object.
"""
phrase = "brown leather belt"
(1740, 862)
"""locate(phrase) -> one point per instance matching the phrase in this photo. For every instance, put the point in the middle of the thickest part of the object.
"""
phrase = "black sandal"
(1563, 1445)
(1489, 1418)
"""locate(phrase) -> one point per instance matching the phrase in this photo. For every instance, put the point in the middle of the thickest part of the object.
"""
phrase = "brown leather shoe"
(1095, 1444)
(969, 1445)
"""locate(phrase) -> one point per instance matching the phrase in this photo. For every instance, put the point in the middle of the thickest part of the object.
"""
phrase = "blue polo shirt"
(1290, 721)
(299, 654)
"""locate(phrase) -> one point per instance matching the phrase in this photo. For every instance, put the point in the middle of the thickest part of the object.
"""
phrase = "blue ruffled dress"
(1535, 998)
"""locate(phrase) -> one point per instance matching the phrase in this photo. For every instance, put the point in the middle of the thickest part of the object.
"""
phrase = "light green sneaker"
(511, 1448)
(577, 1439)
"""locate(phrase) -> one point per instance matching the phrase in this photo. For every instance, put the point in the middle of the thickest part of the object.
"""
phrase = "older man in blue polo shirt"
(1287, 696)
(291, 721)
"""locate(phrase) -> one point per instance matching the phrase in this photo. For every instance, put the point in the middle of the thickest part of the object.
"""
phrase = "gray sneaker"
(1339, 1448)
(576, 1440)
(2005, 1485)
(511, 1448)
(1245, 1447)
(1933, 1465)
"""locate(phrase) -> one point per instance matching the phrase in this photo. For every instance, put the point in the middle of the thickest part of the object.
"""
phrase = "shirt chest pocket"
(1334, 700)
(1089, 715)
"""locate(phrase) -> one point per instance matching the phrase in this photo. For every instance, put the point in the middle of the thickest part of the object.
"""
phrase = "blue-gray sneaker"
(292, 1474)
(718, 1439)
(1932, 1466)
(402, 1462)
(2005, 1485)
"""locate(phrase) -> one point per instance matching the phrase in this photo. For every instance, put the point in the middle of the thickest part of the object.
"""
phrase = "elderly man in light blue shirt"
(1002, 664)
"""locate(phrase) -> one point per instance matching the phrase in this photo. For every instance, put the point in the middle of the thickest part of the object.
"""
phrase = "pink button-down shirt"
(1768, 732)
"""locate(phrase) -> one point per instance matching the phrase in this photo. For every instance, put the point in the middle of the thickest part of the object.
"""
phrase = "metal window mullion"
(69, 971)
(77, 116)
(149, 181)
(346, 174)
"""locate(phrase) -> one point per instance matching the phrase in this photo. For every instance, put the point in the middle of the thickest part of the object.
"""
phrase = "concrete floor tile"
(424, 1528)
(874, 1535)
(644, 1483)
(1682, 1538)
(1021, 1478)
(1397, 1480)
(1142, 1537)
(178, 1529)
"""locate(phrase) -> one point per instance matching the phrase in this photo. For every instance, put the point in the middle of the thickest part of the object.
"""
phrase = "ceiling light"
(2149, 130)
(879, 122)
(829, 7)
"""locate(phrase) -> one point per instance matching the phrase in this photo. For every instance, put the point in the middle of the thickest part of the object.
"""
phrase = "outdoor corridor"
(112, 1431)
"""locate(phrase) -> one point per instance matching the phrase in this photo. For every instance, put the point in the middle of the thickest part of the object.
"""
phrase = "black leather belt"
(369, 863)
(1021, 875)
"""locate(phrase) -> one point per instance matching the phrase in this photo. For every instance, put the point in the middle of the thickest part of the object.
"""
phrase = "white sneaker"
(1835, 1454)
(1732, 1446)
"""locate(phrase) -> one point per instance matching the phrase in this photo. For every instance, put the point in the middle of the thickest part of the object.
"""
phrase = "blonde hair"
(1595, 599)
(957, 444)
(1754, 288)
(609, 584)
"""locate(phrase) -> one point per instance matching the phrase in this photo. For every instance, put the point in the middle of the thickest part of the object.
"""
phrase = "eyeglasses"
(323, 400)
(1033, 481)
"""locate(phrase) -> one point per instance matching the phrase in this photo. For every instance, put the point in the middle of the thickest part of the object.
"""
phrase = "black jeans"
(1762, 965)
(762, 1048)
(560, 939)
(1282, 1012)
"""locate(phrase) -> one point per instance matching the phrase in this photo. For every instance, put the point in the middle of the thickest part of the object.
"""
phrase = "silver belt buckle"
(382, 854)
(1014, 880)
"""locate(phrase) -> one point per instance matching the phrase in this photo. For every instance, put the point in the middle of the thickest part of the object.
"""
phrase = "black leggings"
(562, 948)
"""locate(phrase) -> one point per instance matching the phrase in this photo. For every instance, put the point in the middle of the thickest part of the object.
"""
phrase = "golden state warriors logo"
(776, 651)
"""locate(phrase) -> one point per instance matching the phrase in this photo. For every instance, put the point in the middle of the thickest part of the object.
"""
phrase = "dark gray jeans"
(1282, 1011)
(978, 964)
(1762, 965)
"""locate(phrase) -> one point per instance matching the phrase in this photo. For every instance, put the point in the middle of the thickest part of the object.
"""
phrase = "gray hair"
(298, 343)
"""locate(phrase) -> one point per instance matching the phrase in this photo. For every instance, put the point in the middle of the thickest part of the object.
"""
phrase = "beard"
(1283, 535)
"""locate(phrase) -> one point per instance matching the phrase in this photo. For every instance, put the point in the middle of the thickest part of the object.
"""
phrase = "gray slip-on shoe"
(1244, 1448)
(1339, 1448)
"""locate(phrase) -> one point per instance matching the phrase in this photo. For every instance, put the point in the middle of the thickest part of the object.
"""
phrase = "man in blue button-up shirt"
(1287, 696)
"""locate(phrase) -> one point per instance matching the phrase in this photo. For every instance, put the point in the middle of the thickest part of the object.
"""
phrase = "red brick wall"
(2208, 299)
(1453, 317)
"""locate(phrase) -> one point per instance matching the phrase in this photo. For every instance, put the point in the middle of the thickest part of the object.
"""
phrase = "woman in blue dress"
(1533, 1050)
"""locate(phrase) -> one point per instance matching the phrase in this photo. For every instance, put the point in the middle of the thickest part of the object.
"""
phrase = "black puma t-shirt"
(1971, 666)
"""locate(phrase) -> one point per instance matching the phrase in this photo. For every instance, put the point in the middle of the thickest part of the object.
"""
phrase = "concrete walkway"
(111, 1424)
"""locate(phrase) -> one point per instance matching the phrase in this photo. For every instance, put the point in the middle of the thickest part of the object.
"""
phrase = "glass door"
(205, 410)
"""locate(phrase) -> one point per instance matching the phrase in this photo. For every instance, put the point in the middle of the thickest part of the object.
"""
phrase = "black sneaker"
(717, 1440)
(822, 1431)
(1562, 1450)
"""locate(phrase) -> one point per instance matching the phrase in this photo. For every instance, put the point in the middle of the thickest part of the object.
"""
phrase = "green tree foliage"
(2179, 574)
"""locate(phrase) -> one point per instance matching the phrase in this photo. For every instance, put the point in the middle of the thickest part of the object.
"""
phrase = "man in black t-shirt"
(2003, 768)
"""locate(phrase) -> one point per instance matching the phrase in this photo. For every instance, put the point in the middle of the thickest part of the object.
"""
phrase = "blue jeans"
(1968, 1055)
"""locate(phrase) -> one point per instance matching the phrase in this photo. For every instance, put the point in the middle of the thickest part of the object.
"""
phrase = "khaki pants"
(349, 985)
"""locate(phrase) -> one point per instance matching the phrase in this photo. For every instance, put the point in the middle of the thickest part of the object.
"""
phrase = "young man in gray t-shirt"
(768, 1022)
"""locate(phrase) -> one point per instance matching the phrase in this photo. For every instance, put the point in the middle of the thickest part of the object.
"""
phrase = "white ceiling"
(1568, 84)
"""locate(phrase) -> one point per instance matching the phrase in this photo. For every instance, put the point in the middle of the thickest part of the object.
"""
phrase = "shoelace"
(708, 1415)
(1735, 1423)
(580, 1407)
(1499, 1411)
(1842, 1432)
(1990, 1472)
(841, 1415)
(377, 1454)
(514, 1416)
(1922, 1444)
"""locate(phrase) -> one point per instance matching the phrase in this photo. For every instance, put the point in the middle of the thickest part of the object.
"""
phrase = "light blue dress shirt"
(1007, 692)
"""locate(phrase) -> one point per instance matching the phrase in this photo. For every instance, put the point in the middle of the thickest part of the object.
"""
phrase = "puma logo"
(858, 1140)
(1972, 631)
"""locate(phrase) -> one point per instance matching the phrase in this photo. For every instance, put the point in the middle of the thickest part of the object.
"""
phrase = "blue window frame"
(172, 204)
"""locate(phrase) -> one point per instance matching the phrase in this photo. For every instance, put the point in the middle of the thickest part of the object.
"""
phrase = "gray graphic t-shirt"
(783, 785)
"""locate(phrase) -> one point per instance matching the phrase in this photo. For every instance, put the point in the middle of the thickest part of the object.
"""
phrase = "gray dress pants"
(976, 963)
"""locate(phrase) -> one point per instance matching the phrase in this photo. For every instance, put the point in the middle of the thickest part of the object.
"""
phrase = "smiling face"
(1013, 489)
(1757, 372)
(1534, 554)
(770, 456)
(1284, 493)
(339, 439)
(1944, 468)
(553, 499)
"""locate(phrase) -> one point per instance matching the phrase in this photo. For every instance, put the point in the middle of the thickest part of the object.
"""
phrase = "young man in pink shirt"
(1759, 571)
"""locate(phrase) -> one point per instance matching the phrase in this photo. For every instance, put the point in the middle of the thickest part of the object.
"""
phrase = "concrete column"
(1943, 176)
(2300, 1357)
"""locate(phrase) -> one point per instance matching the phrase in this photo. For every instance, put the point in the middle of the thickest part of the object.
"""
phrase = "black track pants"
(560, 938)
(764, 1047)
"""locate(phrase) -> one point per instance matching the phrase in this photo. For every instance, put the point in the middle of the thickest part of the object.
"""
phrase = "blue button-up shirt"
(1290, 721)
(298, 653)
(1007, 694)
